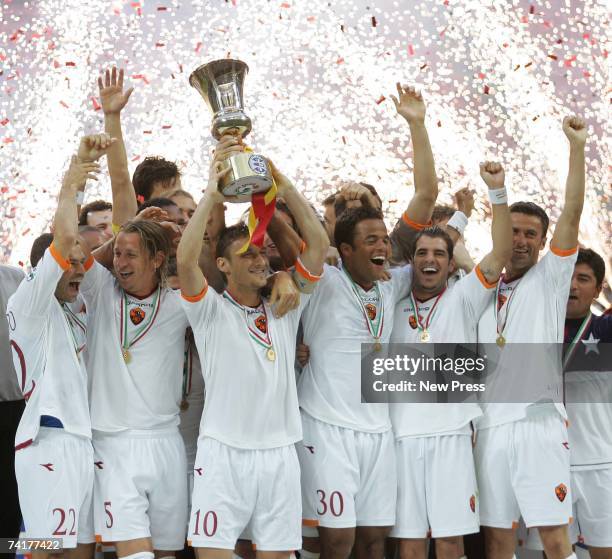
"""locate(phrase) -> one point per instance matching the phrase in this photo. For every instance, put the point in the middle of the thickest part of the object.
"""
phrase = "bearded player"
(437, 491)
(522, 454)
(246, 471)
(54, 455)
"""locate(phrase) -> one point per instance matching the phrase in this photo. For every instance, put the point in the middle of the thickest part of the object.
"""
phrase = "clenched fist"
(575, 130)
(493, 174)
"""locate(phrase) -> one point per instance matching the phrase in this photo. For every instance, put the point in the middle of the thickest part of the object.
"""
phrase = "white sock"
(305, 554)
(140, 555)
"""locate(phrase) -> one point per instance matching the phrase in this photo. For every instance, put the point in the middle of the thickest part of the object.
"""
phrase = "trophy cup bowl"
(220, 83)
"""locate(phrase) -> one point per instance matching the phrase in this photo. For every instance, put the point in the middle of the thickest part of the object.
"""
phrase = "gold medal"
(377, 346)
(127, 357)
(184, 405)
(271, 355)
(425, 336)
(500, 341)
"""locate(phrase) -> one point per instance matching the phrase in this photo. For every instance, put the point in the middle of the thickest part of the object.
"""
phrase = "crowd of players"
(157, 353)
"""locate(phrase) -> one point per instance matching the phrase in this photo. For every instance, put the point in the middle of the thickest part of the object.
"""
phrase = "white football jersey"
(534, 313)
(454, 319)
(47, 353)
(144, 393)
(335, 326)
(248, 368)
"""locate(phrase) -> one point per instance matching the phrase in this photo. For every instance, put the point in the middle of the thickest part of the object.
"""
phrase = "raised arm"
(565, 236)
(411, 106)
(313, 234)
(492, 264)
(191, 278)
(113, 99)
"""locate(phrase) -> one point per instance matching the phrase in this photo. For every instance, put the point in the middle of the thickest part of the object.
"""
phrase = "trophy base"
(249, 174)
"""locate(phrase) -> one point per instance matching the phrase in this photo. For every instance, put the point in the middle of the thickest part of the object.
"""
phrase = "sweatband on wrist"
(498, 196)
(458, 222)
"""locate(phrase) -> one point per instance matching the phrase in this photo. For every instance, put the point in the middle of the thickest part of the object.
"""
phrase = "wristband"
(80, 197)
(498, 196)
(458, 222)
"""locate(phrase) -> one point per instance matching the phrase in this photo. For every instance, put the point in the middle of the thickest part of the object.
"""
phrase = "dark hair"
(329, 200)
(228, 236)
(529, 208)
(157, 203)
(434, 232)
(344, 231)
(594, 261)
(153, 169)
(40, 244)
(441, 212)
(95, 206)
(153, 239)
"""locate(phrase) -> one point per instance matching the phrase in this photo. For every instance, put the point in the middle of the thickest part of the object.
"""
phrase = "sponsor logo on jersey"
(561, 492)
(371, 310)
(261, 323)
(49, 467)
(137, 315)
(473, 503)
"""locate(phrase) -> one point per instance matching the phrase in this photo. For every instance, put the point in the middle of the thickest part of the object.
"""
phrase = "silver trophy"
(220, 84)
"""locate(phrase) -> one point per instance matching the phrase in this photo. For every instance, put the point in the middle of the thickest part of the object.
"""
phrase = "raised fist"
(493, 174)
(575, 130)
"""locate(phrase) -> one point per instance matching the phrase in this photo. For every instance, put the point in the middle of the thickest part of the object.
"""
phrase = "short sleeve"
(401, 281)
(475, 293)
(201, 308)
(558, 266)
(96, 277)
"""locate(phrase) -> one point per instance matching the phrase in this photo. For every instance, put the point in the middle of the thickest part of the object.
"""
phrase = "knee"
(336, 542)
(556, 541)
(413, 549)
(448, 548)
(499, 542)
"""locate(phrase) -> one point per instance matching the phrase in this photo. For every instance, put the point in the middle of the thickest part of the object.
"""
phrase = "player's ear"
(159, 259)
(223, 264)
(452, 267)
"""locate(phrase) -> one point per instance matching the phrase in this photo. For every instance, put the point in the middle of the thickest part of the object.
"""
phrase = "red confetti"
(4, 189)
(532, 9)
(26, 231)
(528, 64)
(374, 22)
(311, 19)
(524, 19)
(439, 123)
(4, 121)
(481, 75)
(380, 99)
(63, 104)
(95, 104)
(160, 44)
(56, 64)
(51, 45)
(486, 90)
(2, 57)
(166, 126)
(423, 67)
(586, 74)
(339, 61)
(136, 158)
(568, 61)
(70, 64)
(410, 50)
(197, 48)
(162, 8)
(343, 140)
(7, 140)
(147, 131)
(553, 56)
(285, 5)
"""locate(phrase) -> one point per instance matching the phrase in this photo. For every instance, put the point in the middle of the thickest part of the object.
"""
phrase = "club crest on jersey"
(137, 315)
(412, 321)
(261, 323)
(561, 492)
(473, 503)
(371, 310)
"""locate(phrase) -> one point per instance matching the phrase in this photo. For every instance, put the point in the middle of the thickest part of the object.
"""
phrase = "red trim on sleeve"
(414, 224)
(89, 262)
(300, 269)
(563, 252)
(23, 445)
(195, 298)
(63, 263)
(482, 278)
(22, 363)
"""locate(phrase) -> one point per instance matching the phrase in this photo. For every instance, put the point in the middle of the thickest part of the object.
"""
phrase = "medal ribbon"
(500, 332)
(571, 350)
(140, 333)
(430, 314)
(253, 334)
(374, 330)
(71, 317)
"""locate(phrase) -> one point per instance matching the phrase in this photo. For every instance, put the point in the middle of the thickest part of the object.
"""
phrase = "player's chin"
(377, 271)
(258, 279)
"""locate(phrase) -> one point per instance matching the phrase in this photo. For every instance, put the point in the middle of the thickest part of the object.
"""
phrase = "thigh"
(376, 498)
(50, 486)
(498, 505)
(168, 498)
(120, 503)
(541, 471)
(224, 494)
(330, 474)
(451, 486)
(276, 524)
(594, 509)
(411, 519)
